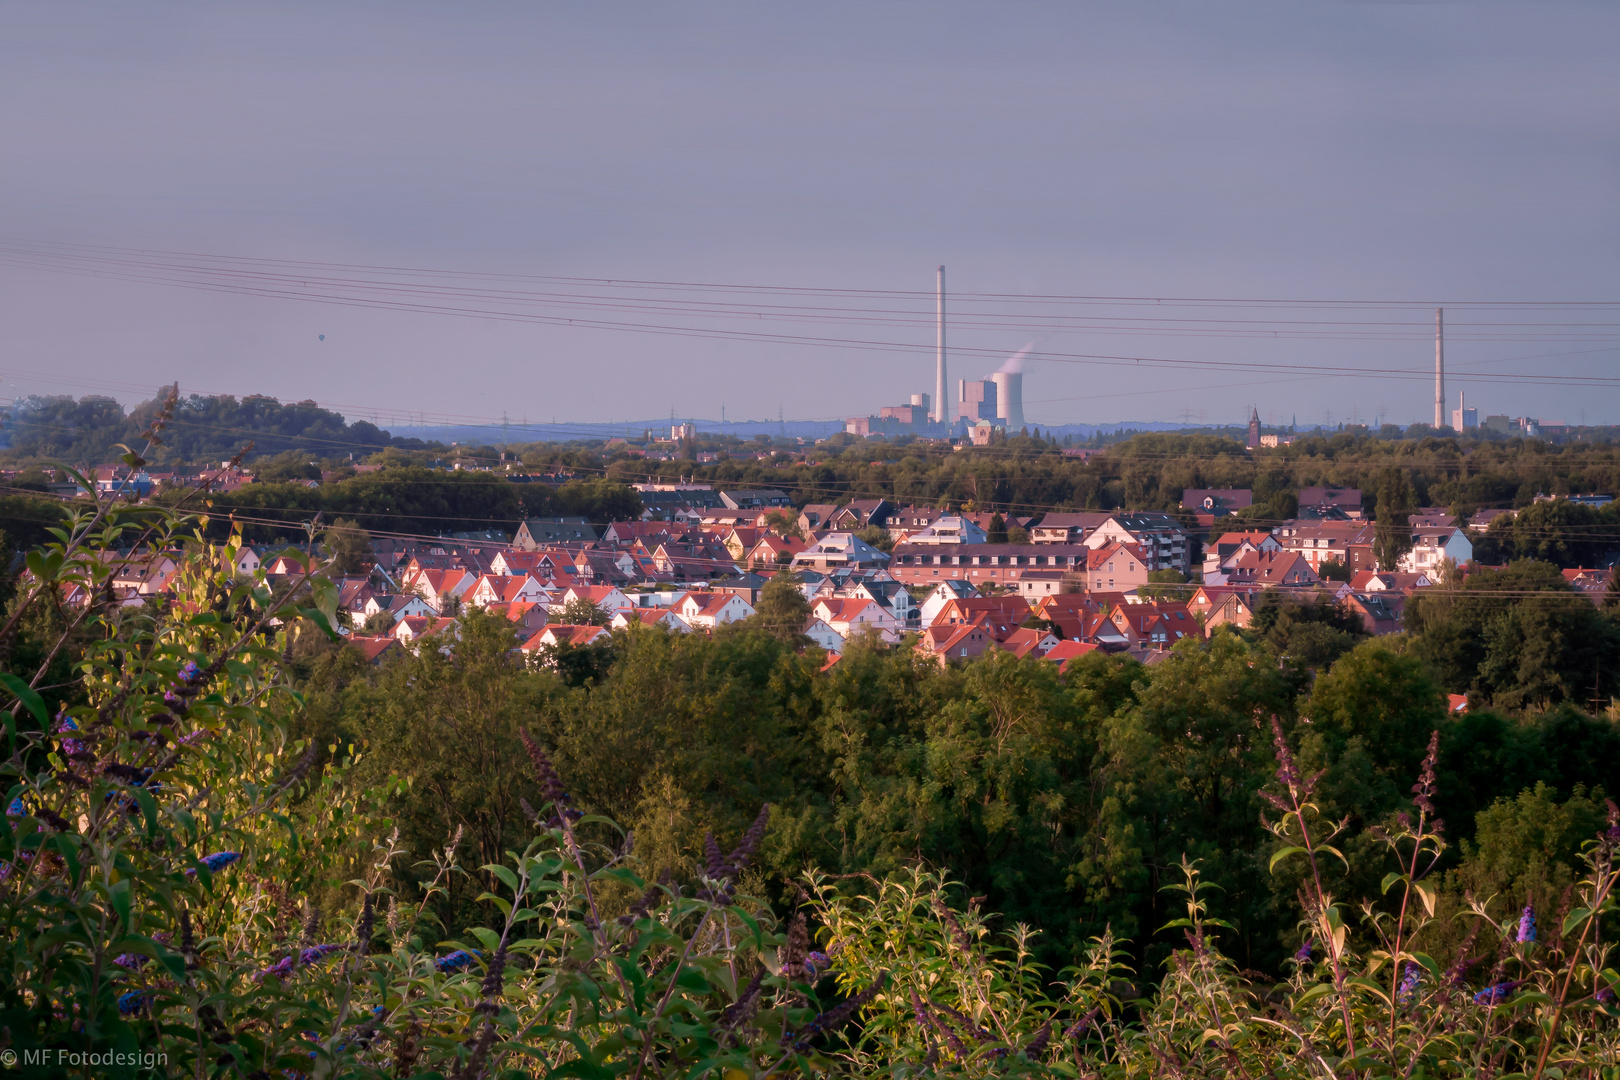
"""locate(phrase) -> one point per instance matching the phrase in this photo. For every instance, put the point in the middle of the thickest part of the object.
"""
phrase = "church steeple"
(1254, 429)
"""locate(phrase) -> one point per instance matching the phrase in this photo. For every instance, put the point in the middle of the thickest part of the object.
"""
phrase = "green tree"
(350, 546)
(581, 611)
(1392, 535)
(782, 611)
(997, 532)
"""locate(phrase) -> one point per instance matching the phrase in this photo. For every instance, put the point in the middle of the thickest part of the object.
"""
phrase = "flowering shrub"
(181, 880)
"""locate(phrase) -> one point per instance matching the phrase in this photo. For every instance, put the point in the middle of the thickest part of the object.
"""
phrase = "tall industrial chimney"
(941, 401)
(1439, 367)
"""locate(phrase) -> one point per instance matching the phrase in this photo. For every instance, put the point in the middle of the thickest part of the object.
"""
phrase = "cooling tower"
(1010, 398)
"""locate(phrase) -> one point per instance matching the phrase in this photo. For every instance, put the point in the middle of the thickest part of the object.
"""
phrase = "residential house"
(1163, 541)
(494, 589)
(754, 498)
(858, 514)
(1116, 567)
(653, 616)
(525, 616)
(1432, 547)
(903, 521)
(940, 595)
(982, 564)
(1011, 610)
(1379, 612)
(1028, 641)
(1273, 569)
(747, 585)
(1349, 543)
(855, 615)
(1210, 504)
(1065, 651)
(606, 597)
(1389, 581)
(1482, 519)
(707, 611)
(289, 562)
(1037, 583)
(819, 632)
(557, 634)
(1233, 544)
(534, 533)
(374, 649)
(1592, 584)
(958, 642)
(814, 517)
(739, 540)
(1330, 502)
(1067, 528)
(698, 560)
(840, 549)
(398, 606)
(1222, 605)
(773, 550)
(951, 529)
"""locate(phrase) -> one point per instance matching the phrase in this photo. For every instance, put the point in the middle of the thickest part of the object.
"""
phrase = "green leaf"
(1575, 918)
(1283, 854)
(504, 904)
(119, 895)
(25, 694)
(1318, 991)
(504, 873)
(1390, 880)
(491, 940)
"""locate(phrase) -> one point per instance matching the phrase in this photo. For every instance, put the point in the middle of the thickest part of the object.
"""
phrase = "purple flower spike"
(280, 969)
(216, 862)
(133, 1002)
(455, 961)
(316, 952)
(1494, 995)
(1303, 956)
(1406, 993)
(130, 960)
(189, 671)
(817, 963)
(1527, 925)
(16, 809)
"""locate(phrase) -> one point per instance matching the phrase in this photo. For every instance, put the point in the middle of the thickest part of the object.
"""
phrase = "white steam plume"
(1015, 362)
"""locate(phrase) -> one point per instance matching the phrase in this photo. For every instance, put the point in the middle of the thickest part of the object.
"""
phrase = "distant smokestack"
(1009, 398)
(1439, 367)
(941, 402)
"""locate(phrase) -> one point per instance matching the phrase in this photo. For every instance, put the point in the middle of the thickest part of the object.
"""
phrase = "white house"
(1432, 546)
(851, 615)
(949, 530)
(840, 549)
(650, 616)
(942, 594)
(706, 611)
(819, 632)
(494, 589)
(606, 597)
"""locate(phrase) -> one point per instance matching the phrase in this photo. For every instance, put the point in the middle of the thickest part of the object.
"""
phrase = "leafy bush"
(185, 883)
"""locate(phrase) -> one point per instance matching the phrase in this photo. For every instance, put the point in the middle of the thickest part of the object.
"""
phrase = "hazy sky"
(1316, 151)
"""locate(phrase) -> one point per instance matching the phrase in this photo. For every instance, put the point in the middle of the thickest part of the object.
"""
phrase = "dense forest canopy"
(203, 429)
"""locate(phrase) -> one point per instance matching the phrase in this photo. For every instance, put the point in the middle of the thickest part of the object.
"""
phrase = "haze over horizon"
(1413, 153)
